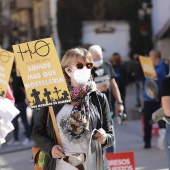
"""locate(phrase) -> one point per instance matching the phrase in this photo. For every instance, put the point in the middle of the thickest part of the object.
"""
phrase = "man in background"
(138, 77)
(104, 77)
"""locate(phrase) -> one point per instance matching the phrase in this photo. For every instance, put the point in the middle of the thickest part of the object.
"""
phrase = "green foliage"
(69, 25)
(71, 13)
(122, 9)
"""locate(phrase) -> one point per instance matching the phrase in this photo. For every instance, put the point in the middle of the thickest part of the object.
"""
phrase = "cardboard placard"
(6, 61)
(121, 160)
(17, 69)
(41, 73)
(148, 67)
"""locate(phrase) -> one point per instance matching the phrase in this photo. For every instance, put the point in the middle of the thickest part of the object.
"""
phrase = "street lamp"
(144, 14)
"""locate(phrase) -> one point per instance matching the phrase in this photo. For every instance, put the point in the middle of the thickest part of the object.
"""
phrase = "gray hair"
(96, 49)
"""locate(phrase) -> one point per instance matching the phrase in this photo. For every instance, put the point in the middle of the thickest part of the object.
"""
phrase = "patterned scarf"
(79, 119)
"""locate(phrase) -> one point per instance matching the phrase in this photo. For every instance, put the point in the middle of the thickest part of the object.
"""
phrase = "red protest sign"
(121, 160)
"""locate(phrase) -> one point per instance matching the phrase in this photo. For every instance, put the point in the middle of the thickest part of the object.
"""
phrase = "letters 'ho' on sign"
(147, 67)
(41, 73)
(6, 61)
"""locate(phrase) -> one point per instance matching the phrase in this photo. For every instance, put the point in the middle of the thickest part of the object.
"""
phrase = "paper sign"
(148, 67)
(17, 69)
(41, 73)
(6, 61)
(121, 160)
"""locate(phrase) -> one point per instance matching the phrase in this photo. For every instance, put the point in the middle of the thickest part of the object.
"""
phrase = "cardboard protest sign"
(17, 69)
(148, 67)
(6, 61)
(41, 73)
(121, 160)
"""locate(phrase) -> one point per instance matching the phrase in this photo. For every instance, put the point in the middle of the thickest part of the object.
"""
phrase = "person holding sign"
(20, 103)
(152, 100)
(85, 125)
(5, 119)
(7, 109)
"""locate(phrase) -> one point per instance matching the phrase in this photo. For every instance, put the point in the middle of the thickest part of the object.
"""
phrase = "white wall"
(160, 14)
(163, 47)
(117, 41)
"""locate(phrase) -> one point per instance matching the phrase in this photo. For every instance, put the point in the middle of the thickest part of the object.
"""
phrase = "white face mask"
(81, 76)
(98, 62)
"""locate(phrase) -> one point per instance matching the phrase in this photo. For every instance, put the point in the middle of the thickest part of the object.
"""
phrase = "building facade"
(161, 26)
(26, 20)
(109, 35)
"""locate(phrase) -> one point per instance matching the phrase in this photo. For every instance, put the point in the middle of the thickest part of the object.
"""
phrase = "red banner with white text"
(121, 161)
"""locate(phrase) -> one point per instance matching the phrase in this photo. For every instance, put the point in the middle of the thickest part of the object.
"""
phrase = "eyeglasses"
(80, 65)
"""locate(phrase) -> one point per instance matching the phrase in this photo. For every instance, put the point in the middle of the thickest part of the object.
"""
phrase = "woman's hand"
(119, 109)
(57, 151)
(100, 135)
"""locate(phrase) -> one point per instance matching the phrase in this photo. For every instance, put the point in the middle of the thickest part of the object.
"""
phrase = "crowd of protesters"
(115, 78)
(112, 78)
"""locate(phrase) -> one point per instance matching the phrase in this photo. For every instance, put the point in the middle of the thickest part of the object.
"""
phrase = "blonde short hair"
(72, 55)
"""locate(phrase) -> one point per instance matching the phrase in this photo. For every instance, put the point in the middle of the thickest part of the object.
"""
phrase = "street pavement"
(128, 138)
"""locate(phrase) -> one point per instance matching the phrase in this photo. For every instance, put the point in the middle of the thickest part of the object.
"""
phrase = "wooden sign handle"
(55, 124)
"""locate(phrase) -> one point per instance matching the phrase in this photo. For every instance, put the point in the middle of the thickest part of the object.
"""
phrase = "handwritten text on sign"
(6, 61)
(41, 73)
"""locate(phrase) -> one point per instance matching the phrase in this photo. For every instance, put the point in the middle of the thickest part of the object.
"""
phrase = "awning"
(164, 30)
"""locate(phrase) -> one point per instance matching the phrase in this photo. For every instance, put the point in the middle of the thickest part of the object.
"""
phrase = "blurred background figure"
(137, 75)
(5, 125)
(152, 103)
(167, 65)
(21, 104)
(121, 77)
(9, 94)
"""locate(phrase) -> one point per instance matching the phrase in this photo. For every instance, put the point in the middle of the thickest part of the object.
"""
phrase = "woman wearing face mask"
(85, 125)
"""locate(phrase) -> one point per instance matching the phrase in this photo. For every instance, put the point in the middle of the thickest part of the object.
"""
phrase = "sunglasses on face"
(80, 65)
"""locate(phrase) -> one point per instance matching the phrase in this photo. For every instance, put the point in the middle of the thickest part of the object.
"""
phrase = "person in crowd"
(151, 103)
(167, 64)
(104, 77)
(137, 75)
(85, 125)
(34, 117)
(165, 99)
(21, 105)
(33, 120)
(9, 94)
(121, 77)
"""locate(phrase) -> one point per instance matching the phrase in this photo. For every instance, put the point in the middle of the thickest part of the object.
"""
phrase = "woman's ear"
(68, 71)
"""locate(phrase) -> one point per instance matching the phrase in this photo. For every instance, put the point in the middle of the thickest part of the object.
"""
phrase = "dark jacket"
(100, 118)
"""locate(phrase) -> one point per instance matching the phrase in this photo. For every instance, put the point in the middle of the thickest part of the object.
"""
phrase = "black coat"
(45, 138)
